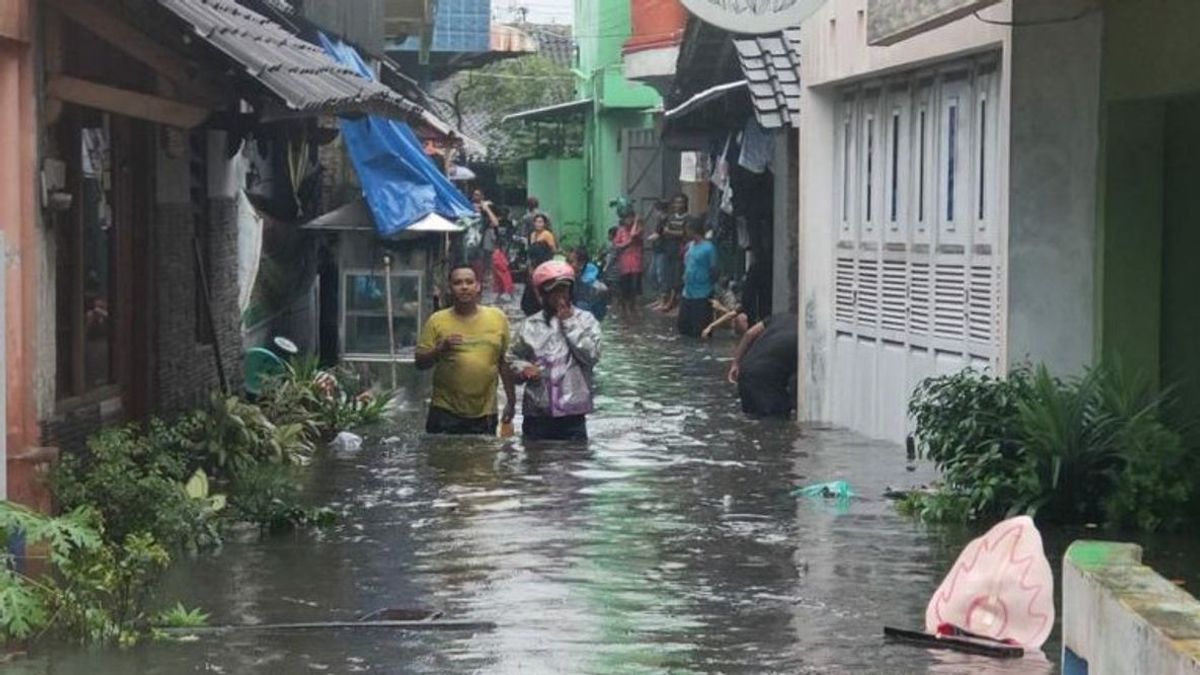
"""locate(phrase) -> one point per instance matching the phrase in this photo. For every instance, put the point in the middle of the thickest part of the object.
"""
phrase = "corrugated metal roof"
(771, 64)
(300, 73)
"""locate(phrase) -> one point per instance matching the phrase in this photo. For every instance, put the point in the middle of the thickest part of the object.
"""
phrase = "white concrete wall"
(1122, 618)
(835, 52)
(1054, 150)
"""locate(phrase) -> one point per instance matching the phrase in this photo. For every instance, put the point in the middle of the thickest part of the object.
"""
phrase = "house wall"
(1054, 146)
(186, 369)
(559, 186)
(1132, 242)
(1145, 268)
(601, 28)
(1181, 240)
(785, 264)
(22, 254)
(835, 52)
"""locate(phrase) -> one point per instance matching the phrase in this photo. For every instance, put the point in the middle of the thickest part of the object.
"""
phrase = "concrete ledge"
(1120, 617)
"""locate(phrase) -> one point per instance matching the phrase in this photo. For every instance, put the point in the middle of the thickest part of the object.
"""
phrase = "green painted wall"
(1181, 243)
(1131, 246)
(1150, 196)
(559, 185)
(1148, 48)
(601, 28)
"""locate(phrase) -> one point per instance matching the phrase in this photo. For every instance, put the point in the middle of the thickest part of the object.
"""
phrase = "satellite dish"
(753, 16)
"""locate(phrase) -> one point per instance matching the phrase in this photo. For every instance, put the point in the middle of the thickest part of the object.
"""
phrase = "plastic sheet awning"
(402, 186)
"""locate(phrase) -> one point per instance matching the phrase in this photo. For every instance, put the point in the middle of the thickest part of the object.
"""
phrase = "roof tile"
(299, 72)
(771, 64)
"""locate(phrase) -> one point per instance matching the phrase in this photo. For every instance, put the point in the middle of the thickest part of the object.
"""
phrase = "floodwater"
(669, 544)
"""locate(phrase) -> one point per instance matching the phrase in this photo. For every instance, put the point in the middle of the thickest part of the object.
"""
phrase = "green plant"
(1072, 456)
(233, 435)
(181, 617)
(137, 487)
(939, 507)
(322, 403)
(1157, 481)
(270, 496)
(1080, 450)
(100, 588)
(966, 424)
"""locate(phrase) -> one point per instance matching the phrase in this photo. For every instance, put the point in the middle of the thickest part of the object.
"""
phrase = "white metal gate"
(918, 265)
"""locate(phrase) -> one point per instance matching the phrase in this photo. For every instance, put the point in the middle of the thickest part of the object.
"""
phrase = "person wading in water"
(466, 345)
(554, 354)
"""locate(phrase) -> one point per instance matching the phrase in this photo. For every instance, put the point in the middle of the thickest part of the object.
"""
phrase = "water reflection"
(669, 544)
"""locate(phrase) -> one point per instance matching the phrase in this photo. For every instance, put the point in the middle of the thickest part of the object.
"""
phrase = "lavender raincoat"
(567, 352)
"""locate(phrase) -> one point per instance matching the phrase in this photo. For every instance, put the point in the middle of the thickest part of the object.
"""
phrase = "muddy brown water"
(668, 544)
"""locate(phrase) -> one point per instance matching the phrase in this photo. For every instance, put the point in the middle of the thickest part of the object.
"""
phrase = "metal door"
(651, 172)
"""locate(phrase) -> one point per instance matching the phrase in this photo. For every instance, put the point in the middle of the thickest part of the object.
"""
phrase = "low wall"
(1120, 617)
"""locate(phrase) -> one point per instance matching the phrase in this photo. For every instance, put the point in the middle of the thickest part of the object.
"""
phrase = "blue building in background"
(460, 27)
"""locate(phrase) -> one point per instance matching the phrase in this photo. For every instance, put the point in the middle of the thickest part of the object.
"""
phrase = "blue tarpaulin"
(401, 184)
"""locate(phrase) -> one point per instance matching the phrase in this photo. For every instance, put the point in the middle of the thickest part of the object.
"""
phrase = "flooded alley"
(670, 544)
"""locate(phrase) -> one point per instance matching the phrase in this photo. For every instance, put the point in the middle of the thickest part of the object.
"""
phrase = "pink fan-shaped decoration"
(1000, 587)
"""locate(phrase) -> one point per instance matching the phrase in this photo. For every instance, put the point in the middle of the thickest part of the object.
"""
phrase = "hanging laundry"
(689, 167)
(758, 147)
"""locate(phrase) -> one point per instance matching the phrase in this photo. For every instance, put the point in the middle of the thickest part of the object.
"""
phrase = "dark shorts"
(445, 422)
(630, 286)
(672, 269)
(572, 428)
(694, 316)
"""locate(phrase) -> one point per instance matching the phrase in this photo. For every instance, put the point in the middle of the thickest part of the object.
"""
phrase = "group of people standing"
(472, 349)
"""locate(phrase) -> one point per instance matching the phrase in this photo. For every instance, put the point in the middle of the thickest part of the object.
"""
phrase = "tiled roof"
(771, 64)
(300, 73)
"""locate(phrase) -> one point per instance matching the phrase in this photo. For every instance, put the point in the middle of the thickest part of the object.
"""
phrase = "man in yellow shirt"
(466, 347)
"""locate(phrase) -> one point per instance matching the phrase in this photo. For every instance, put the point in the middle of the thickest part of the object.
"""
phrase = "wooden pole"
(391, 316)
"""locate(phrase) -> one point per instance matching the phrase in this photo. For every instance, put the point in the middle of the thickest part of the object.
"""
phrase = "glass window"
(365, 312)
(982, 154)
(870, 164)
(846, 171)
(895, 201)
(921, 174)
(951, 157)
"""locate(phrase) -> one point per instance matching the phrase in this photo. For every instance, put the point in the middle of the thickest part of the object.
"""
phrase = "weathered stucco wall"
(834, 43)
(1120, 617)
(1054, 151)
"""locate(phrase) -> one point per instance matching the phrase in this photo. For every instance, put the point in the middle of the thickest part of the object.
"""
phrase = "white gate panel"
(865, 384)
(843, 378)
(892, 386)
(917, 274)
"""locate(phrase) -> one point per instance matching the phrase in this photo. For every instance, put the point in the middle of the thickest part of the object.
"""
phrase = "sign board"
(890, 21)
(753, 16)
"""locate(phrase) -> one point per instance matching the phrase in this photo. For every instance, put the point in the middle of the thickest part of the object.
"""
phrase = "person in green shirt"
(465, 346)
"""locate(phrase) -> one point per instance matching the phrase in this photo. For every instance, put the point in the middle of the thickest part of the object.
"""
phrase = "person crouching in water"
(554, 354)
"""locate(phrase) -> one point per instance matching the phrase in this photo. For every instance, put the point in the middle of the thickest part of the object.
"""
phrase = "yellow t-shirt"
(464, 380)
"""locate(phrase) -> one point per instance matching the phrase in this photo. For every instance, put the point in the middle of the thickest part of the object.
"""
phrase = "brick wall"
(187, 369)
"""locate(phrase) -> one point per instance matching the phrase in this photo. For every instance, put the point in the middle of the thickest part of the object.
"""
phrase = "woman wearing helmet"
(554, 354)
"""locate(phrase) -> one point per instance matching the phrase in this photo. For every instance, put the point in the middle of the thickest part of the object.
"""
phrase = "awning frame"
(704, 98)
(551, 113)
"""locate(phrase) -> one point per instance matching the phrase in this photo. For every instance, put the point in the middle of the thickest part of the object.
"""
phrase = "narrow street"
(670, 545)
